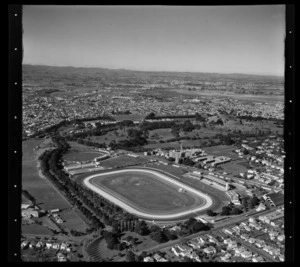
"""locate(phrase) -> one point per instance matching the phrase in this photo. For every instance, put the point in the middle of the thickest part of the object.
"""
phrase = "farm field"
(151, 194)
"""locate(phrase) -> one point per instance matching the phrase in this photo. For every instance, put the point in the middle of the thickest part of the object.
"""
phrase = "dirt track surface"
(153, 216)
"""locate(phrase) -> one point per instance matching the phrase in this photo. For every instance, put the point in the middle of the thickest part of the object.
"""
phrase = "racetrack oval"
(148, 194)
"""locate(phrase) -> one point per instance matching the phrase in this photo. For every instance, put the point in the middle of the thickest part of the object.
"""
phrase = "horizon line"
(194, 72)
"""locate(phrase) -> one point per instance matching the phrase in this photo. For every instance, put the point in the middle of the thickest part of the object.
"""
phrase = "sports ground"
(148, 194)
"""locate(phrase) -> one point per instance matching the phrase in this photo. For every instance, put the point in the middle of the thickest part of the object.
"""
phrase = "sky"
(218, 39)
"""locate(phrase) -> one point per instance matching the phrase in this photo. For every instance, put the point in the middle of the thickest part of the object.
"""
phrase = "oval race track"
(208, 201)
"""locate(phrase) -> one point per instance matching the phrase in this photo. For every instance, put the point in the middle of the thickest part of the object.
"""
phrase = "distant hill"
(68, 71)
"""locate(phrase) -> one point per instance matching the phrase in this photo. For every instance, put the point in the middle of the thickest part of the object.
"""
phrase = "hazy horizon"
(195, 72)
(198, 39)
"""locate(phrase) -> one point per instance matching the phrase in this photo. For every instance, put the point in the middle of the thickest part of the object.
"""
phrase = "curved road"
(152, 216)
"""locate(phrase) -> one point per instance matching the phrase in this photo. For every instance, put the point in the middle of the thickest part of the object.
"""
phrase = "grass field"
(122, 161)
(36, 229)
(72, 221)
(82, 156)
(221, 150)
(161, 134)
(147, 192)
(46, 196)
(234, 167)
(41, 189)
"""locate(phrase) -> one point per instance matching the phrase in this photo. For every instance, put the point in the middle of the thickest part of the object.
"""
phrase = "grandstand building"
(218, 182)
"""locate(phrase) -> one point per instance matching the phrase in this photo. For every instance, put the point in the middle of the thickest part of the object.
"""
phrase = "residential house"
(61, 257)
(201, 240)
(156, 257)
(227, 231)
(226, 257)
(246, 254)
(236, 229)
(63, 246)
(247, 228)
(267, 248)
(194, 256)
(210, 250)
(40, 244)
(238, 250)
(194, 244)
(251, 240)
(258, 259)
(232, 244)
(176, 251)
(32, 244)
(56, 246)
(48, 245)
(24, 244)
(260, 243)
(148, 259)
(281, 257)
(281, 238)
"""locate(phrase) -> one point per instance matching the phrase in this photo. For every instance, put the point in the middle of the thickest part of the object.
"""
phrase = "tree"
(157, 236)
(150, 116)
(130, 256)
(235, 211)
(254, 201)
(210, 213)
(154, 228)
(188, 126)
(225, 211)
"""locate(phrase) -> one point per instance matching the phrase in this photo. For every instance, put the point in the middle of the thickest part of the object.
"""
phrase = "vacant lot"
(147, 192)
